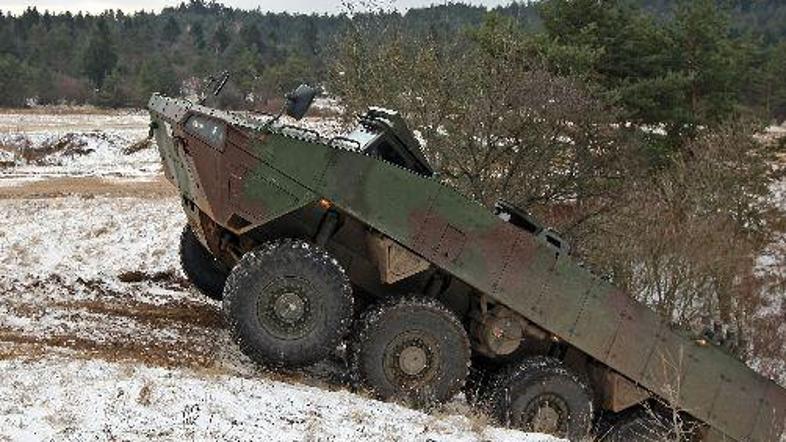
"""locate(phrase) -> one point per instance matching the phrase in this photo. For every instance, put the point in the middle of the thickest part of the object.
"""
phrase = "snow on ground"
(136, 402)
(101, 336)
(76, 144)
(114, 144)
(92, 153)
(90, 238)
(771, 316)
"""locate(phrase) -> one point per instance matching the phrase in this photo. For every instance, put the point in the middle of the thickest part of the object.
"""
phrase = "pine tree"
(198, 34)
(171, 31)
(310, 36)
(13, 81)
(59, 48)
(157, 75)
(638, 51)
(776, 69)
(113, 92)
(704, 53)
(221, 38)
(251, 36)
(99, 56)
(246, 66)
(7, 40)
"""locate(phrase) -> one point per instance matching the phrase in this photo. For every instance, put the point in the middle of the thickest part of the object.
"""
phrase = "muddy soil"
(109, 323)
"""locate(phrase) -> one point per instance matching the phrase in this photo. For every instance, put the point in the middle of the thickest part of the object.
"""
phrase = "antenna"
(216, 83)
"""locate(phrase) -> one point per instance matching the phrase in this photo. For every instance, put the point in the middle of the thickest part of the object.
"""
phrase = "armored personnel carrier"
(313, 242)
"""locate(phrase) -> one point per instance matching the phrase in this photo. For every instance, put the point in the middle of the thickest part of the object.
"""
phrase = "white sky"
(304, 6)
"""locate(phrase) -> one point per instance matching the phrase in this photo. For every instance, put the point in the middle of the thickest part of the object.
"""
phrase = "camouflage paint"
(263, 174)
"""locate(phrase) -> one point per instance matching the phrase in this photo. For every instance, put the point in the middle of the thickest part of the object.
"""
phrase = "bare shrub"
(495, 122)
(685, 234)
(138, 146)
(689, 238)
(70, 89)
(70, 144)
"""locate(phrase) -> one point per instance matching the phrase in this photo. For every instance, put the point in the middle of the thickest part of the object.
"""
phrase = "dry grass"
(144, 143)
(65, 110)
(144, 394)
(87, 186)
(70, 144)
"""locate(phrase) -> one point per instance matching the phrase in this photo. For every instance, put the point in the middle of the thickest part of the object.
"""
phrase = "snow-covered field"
(101, 337)
(92, 400)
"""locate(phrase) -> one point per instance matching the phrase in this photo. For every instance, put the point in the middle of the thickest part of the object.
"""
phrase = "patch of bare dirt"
(25, 352)
(159, 316)
(169, 278)
(144, 143)
(65, 110)
(90, 319)
(168, 355)
(87, 186)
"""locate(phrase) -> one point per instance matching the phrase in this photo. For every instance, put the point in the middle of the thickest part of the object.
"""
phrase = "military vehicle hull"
(242, 181)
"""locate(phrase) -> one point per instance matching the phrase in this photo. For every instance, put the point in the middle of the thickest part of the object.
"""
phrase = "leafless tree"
(686, 235)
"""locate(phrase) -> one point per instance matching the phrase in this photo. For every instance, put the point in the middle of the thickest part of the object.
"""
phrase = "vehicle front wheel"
(288, 303)
(200, 266)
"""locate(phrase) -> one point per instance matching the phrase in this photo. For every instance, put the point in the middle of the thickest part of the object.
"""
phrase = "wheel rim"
(411, 360)
(546, 413)
(289, 307)
(285, 310)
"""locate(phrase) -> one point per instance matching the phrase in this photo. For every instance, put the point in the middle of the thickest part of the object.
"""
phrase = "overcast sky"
(304, 6)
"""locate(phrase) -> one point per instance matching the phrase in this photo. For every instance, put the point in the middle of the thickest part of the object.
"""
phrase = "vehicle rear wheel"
(200, 266)
(646, 424)
(638, 426)
(541, 395)
(412, 350)
(482, 373)
(288, 303)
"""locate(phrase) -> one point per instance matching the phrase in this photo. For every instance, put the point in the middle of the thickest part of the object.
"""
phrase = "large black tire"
(650, 425)
(638, 427)
(478, 382)
(203, 270)
(411, 350)
(541, 395)
(288, 303)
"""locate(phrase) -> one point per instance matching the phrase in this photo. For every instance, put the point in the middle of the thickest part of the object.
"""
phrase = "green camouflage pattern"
(260, 173)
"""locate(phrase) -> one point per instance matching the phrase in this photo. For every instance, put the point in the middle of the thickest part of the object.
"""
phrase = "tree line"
(653, 54)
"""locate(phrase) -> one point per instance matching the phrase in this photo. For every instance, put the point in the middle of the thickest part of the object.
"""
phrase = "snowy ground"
(114, 401)
(101, 337)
